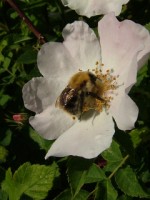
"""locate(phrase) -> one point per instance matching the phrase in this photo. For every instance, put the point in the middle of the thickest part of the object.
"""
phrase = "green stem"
(123, 161)
(111, 175)
(26, 20)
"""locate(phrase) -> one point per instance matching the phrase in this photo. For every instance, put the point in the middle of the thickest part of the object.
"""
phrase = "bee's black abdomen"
(64, 96)
(70, 100)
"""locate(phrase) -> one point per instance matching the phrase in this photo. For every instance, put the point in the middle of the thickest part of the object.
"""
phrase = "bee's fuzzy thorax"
(87, 90)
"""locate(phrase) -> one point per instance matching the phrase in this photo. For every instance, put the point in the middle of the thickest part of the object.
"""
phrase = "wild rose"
(113, 59)
(95, 7)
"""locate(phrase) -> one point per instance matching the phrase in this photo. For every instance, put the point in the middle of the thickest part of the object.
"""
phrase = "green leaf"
(148, 26)
(7, 60)
(19, 38)
(5, 141)
(106, 191)
(77, 169)
(113, 156)
(81, 171)
(28, 57)
(3, 154)
(127, 181)
(145, 176)
(32, 180)
(94, 174)
(124, 197)
(142, 74)
(139, 135)
(67, 195)
(3, 44)
(2, 174)
(82, 195)
(4, 98)
(43, 143)
(9, 186)
(3, 195)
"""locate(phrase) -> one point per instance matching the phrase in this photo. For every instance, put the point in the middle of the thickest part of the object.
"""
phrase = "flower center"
(88, 90)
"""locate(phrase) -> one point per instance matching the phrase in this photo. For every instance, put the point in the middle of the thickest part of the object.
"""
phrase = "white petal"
(121, 42)
(144, 55)
(51, 123)
(87, 138)
(40, 92)
(82, 44)
(124, 111)
(54, 61)
(95, 7)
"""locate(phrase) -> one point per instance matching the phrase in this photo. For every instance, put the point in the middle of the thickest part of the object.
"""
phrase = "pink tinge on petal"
(91, 8)
(144, 55)
(55, 61)
(82, 44)
(87, 138)
(121, 45)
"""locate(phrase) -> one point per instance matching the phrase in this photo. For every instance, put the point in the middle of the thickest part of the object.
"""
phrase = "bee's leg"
(94, 96)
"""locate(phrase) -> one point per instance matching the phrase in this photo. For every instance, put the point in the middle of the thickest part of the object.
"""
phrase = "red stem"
(26, 20)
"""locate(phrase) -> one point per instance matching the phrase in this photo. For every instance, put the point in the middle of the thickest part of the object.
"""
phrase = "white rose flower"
(95, 7)
(112, 61)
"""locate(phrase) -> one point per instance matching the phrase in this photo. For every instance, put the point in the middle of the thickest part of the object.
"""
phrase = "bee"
(80, 94)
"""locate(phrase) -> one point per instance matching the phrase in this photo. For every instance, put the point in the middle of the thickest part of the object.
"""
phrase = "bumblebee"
(81, 94)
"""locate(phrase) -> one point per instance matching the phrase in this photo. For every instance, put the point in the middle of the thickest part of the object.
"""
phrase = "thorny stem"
(26, 20)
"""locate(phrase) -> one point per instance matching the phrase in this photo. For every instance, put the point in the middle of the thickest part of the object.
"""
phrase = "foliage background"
(121, 172)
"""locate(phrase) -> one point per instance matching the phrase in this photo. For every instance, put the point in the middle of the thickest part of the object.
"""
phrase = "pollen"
(88, 90)
(106, 85)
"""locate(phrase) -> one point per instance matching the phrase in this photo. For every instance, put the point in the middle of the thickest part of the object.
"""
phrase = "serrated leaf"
(113, 156)
(81, 171)
(8, 186)
(127, 181)
(106, 191)
(33, 180)
(76, 180)
(77, 171)
(67, 195)
(94, 174)
(3, 154)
